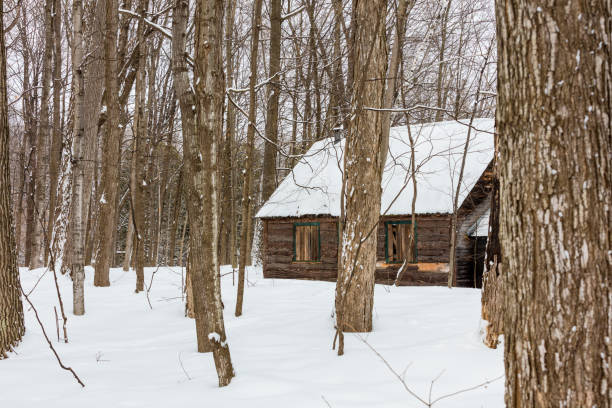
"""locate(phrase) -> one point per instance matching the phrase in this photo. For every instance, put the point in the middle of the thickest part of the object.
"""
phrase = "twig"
(326, 401)
(150, 285)
(56, 322)
(183, 367)
(429, 403)
(42, 327)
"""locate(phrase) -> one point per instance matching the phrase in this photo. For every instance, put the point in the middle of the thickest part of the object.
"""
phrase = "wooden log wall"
(468, 251)
(433, 241)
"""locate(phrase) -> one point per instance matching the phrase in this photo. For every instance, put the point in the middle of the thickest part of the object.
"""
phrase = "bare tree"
(210, 91)
(12, 327)
(553, 120)
(269, 164)
(362, 171)
(77, 269)
(111, 150)
(248, 168)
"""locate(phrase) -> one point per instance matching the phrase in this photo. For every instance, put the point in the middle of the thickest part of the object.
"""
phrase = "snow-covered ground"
(131, 356)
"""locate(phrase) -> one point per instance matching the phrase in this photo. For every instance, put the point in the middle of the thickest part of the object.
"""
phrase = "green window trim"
(304, 224)
(416, 240)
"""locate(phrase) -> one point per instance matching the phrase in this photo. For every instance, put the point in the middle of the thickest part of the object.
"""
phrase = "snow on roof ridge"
(313, 186)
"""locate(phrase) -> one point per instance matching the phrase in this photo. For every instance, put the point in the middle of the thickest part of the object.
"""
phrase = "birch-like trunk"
(210, 92)
(77, 270)
(554, 124)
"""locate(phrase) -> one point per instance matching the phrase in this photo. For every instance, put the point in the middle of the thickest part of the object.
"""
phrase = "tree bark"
(56, 142)
(554, 125)
(248, 168)
(269, 164)
(12, 326)
(492, 281)
(192, 173)
(77, 271)
(362, 185)
(228, 218)
(210, 92)
(40, 244)
(111, 151)
(403, 9)
(94, 87)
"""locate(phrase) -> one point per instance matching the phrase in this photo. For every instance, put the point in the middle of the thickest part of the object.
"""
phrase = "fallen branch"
(42, 327)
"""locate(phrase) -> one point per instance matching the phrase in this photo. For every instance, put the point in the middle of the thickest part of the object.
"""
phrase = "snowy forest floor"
(129, 355)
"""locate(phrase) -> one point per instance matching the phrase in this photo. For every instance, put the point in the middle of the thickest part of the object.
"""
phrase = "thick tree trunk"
(12, 325)
(210, 91)
(111, 151)
(94, 87)
(77, 270)
(248, 168)
(192, 175)
(355, 285)
(554, 126)
(269, 163)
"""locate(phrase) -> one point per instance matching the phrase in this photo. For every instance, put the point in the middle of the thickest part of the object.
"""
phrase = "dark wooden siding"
(433, 239)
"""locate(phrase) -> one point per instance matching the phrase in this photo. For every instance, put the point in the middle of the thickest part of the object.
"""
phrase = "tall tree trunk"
(12, 326)
(210, 91)
(94, 87)
(111, 151)
(42, 148)
(269, 163)
(77, 270)
(228, 219)
(355, 284)
(248, 168)
(174, 223)
(192, 173)
(56, 143)
(403, 9)
(129, 240)
(553, 120)
(138, 154)
(440, 92)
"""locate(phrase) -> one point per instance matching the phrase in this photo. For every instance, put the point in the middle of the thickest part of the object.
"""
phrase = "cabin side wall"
(278, 251)
(433, 240)
(468, 250)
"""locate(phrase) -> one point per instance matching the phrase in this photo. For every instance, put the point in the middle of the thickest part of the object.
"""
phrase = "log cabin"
(300, 219)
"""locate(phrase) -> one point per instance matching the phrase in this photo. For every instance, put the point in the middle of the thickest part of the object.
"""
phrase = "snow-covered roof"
(480, 228)
(313, 186)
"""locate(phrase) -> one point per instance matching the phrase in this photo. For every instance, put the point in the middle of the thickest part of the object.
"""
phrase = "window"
(306, 242)
(399, 244)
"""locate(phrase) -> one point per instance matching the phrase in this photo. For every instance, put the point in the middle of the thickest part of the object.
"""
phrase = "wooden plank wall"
(465, 245)
(432, 243)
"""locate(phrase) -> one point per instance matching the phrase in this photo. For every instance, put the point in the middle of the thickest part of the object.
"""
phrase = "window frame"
(306, 224)
(416, 240)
